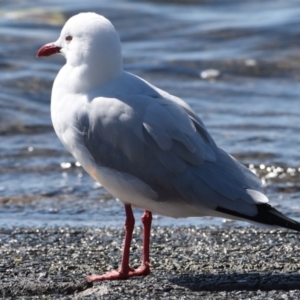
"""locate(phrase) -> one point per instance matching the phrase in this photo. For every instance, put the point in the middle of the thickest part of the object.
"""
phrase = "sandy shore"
(188, 263)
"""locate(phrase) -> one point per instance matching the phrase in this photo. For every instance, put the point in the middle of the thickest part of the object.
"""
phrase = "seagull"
(148, 148)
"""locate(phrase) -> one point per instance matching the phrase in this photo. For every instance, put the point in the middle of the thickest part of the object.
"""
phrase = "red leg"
(123, 272)
(144, 269)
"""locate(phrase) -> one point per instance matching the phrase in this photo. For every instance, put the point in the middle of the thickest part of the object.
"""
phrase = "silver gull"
(148, 148)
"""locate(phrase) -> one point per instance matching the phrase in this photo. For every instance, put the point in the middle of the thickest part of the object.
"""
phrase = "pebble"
(187, 263)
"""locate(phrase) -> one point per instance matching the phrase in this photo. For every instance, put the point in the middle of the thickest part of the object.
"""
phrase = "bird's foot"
(112, 275)
(143, 270)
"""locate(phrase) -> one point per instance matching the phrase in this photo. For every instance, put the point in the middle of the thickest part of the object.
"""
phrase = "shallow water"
(249, 103)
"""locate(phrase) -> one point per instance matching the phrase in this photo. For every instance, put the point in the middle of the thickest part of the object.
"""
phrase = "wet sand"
(187, 263)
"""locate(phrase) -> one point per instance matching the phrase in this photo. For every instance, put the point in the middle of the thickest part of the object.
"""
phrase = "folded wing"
(164, 144)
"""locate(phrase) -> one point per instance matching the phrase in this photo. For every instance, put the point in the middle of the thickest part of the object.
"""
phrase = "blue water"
(250, 104)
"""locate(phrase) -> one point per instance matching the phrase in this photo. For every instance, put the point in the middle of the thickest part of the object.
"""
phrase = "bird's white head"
(89, 41)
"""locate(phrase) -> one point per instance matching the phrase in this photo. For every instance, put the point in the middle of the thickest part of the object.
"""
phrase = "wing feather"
(164, 144)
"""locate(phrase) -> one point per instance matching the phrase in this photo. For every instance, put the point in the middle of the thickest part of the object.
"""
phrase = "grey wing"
(166, 146)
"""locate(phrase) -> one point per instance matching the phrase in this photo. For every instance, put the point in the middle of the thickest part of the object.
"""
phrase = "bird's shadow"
(238, 281)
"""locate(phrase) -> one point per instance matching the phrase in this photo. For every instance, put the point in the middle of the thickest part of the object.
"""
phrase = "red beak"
(48, 50)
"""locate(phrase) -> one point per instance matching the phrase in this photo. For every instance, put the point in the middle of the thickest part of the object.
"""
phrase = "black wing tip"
(266, 214)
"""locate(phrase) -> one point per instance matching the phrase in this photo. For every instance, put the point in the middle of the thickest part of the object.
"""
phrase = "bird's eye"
(69, 38)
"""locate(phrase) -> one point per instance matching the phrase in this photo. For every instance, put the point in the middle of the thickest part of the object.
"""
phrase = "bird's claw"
(143, 270)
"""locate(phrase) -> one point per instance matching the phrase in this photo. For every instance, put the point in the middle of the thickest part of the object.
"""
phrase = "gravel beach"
(187, 263)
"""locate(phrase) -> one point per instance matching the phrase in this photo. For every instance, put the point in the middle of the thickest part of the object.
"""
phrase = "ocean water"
(237, 63)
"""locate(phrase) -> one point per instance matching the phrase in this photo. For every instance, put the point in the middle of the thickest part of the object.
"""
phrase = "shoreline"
(191, 262)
